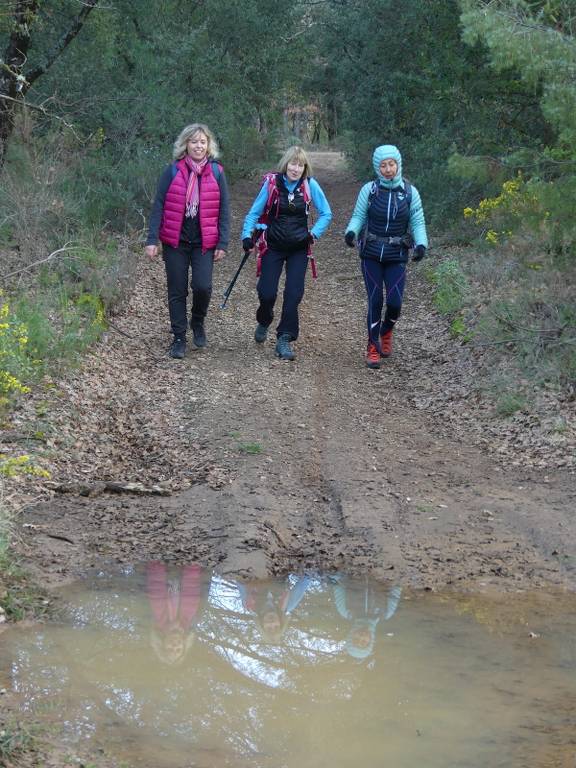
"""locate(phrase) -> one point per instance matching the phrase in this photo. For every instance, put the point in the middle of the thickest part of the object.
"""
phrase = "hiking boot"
(260, 333)
(372, 356)
(283, 349)
(386, 344)
(178, 348)
(199, 335)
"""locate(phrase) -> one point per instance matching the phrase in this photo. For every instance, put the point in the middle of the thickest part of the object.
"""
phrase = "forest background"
(480, 96)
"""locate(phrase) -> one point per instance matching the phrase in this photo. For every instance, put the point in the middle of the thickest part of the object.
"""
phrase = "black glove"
(310, 239)
(350, 237)
(247, 244)
(419, 253)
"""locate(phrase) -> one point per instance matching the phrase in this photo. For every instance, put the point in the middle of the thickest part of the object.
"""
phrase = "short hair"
(295, 153)
(189, 132)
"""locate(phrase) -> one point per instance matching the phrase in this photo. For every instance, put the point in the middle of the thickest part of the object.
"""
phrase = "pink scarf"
(192, 190)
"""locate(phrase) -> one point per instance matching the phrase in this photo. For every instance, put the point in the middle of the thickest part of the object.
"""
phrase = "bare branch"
(65, 247)
(43, 110)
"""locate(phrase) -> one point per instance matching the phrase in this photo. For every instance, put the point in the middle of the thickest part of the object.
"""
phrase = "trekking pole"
(228, 290)
(245, 258)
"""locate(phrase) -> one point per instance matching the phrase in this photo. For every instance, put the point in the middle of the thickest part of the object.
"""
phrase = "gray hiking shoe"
(283, 349)
(178, 348)
(260, 333)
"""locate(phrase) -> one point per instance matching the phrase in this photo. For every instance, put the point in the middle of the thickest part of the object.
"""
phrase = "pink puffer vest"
(175, 207)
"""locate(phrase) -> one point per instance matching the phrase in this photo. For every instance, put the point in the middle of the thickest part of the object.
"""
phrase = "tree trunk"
(14, 83)
(331, 119)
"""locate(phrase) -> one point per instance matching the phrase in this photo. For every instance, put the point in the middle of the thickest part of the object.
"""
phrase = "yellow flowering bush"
(499, 216)
(21, 465)
(14, 361)
(94, 307)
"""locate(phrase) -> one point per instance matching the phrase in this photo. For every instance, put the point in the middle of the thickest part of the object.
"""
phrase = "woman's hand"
(419, 253)
(219, 254)
(349, 238)
(151, 251)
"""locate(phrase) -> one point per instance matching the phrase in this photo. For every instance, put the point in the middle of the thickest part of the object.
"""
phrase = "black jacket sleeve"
(158, 206)
(224, 215)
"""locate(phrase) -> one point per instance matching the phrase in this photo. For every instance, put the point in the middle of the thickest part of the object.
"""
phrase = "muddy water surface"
(161, 666)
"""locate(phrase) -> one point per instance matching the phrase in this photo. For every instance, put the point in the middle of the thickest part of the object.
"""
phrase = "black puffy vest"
(288, 231)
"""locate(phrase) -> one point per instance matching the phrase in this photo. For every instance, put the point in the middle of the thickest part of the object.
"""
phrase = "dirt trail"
(320, 463)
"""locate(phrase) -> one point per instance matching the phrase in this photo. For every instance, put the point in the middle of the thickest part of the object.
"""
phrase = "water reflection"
(364, 607)
(176, 666)
(272, 603)
(176, 596)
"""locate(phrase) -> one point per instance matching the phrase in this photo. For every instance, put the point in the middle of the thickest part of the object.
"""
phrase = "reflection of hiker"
(361, 604)
(273, 604)
(191, 217)
(387, 220)
(280, 211)
(175, 599)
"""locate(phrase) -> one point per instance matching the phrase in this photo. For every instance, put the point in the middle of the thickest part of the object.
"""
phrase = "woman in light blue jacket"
(278, 219)
(388, 220)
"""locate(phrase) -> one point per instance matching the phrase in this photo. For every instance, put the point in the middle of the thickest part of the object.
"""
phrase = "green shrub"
(250, 448)
(14, 739)
(460, 330)
(509, 403)
(450, 286)
(537, 326)
(5, 528)
(60, 324)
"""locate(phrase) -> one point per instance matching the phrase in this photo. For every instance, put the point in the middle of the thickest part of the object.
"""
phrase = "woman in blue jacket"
(278, 219)
(388, 220)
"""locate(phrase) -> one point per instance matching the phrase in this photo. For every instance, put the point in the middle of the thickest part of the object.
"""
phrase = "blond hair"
(299, 155)
(188, 133)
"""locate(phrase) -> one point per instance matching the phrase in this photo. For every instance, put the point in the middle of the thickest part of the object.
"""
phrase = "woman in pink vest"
(191, 217)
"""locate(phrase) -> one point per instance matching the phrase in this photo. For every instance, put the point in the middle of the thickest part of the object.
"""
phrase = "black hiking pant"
(273, 262)
(178, 262)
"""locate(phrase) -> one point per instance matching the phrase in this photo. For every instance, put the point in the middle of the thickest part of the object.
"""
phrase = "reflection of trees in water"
(229, 692)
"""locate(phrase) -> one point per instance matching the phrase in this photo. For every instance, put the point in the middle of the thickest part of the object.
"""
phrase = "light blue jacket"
(417, 225)
(318, 199)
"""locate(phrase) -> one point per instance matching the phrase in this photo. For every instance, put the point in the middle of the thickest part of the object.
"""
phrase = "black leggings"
(178, 262)
(390, 275)
(273, 263)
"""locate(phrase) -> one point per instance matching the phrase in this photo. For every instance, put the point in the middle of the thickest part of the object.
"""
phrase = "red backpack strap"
(307, 193)
(272, 201)
(308, 200)
(273, 195)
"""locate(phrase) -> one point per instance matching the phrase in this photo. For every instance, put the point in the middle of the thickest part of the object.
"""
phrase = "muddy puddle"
(161, 666)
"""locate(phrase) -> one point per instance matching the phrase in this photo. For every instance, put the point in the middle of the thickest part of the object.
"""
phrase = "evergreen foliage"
(537, 38)
(479, 95)
(403, 75)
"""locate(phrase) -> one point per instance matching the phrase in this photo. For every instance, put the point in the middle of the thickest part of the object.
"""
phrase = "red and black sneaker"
(372, 356)
(386, 344)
